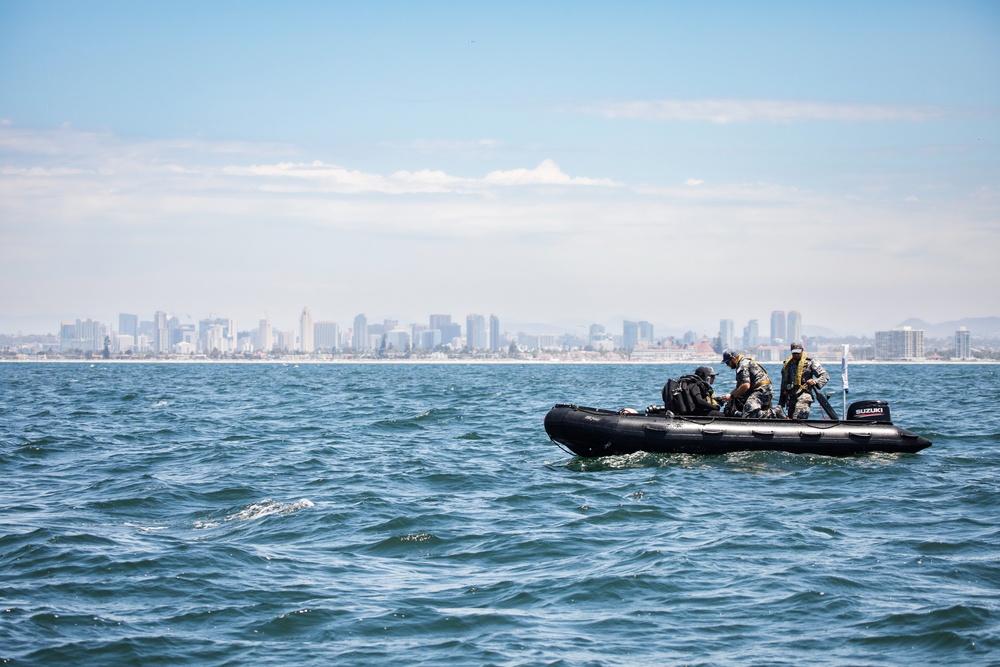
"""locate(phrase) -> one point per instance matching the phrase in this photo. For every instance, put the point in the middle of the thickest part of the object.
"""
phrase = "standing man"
(753, 386)
(799, 376)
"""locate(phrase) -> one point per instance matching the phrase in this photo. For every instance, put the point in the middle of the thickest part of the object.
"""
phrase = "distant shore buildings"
(166, 335)
(904, 344)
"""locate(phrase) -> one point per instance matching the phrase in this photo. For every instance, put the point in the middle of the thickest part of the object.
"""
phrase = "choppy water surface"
(226, 514)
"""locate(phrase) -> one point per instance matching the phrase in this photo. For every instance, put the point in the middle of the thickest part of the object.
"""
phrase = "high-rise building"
(794, 329)
(899, 344)
(646, 332)
(161, 333)
(90, 335)
(306, 333)
(634, 333)
(439, 321)
(475, 332)
(360, 339)
(430, 338)
(727, 334)
(128, 325)
(265, 336)
(284, 341)
(450, 332)
(212, 338)
(494, 333)
(778, 327)
(417, 330)
(751, 332)
(963, 344)
(326, 336)
(174, 331)
(218, 334)
(397, 339)
(67, 336)
(630, 334)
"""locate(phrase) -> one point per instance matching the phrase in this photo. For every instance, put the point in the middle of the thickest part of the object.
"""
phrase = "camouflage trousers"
(798, 408)
(757, 400)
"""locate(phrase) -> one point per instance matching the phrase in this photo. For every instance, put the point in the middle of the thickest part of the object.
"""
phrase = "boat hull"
(595, 432)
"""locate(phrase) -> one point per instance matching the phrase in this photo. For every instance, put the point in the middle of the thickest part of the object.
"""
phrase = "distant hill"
(816, 331)
(979, 327)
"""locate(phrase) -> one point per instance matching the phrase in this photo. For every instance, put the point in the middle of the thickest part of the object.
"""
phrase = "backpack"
(676, 397)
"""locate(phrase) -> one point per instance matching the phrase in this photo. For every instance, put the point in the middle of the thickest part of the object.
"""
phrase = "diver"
(701, 392)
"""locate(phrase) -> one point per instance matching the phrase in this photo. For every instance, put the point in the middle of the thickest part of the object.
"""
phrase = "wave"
(259, 510)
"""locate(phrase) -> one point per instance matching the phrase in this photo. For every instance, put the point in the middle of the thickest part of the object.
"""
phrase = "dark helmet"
(705, 372)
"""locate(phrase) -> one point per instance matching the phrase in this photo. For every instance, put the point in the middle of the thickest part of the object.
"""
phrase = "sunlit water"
(226, 514)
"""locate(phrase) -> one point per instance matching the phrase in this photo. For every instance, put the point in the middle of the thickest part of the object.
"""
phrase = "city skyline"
(618, 326)
(165, 336)
(640, 161)
(784, 327)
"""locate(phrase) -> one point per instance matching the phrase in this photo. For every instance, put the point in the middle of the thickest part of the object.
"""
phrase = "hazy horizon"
(656, 162)
(579, 326)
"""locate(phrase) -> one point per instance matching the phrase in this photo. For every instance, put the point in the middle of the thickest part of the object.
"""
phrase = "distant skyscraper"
(750, 334)
(67, 336)
(494, 333)
(475, 332)
(161, 333)
(439, 321)
(217, 334)
(417, 330)
(963, 344)
(450, 331)
(326, 336)
(646, 331)
(174, 331)
(727, 334)
(630, 334)
(905, 343)
(360, 340)
(306, 332)
(794, 330)
(777, 327)
(265, 336)
(128, 325)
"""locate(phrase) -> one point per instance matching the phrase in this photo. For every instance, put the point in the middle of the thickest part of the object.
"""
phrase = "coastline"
(460, 362)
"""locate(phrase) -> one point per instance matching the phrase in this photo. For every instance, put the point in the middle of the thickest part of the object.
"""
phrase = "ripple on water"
(263, 514)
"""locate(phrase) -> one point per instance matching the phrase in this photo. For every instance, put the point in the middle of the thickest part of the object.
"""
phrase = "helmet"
(705, 372)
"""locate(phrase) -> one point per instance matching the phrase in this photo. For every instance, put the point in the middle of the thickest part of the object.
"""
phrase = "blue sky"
(547, 162)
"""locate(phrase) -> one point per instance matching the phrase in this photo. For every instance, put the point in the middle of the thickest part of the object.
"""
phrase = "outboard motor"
(869, 411)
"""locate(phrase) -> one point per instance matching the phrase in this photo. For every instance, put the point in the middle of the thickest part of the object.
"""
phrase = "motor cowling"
(869, 411)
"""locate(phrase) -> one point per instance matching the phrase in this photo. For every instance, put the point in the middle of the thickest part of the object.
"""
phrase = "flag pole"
(843, 375)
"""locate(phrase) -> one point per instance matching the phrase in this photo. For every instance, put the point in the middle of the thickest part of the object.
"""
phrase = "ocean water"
(357, 514)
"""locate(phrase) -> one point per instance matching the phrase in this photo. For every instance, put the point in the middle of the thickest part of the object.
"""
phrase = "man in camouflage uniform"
(799, 376)
(753, 386)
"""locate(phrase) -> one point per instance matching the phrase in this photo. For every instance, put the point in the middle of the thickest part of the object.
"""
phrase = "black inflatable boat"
(597, 432)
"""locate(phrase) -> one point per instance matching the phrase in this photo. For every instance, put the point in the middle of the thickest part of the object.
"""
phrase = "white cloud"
(726, 111)
(546, 173)
(81, 204)
(335, 178)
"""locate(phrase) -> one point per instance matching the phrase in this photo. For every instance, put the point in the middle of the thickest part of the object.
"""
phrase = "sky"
(547, 162)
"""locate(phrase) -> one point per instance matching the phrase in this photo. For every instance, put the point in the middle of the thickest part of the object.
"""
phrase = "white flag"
(843, 368)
